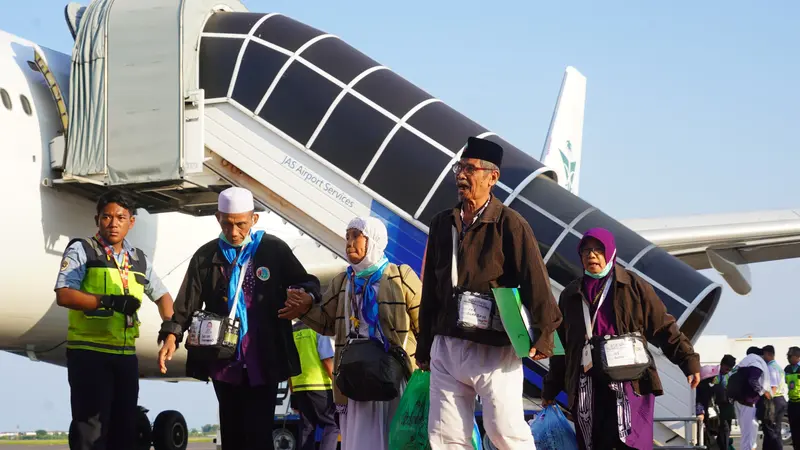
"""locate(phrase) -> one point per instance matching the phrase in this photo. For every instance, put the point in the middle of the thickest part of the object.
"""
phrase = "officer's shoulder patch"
(64, 264)
(262, 273)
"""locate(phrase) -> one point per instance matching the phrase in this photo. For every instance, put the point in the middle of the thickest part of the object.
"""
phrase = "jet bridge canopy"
(127, 121)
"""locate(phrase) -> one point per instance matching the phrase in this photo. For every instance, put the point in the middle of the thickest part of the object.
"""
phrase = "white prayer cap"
(235, 200)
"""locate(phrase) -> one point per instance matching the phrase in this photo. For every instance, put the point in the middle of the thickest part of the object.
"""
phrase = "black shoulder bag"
(366, 371)
(618, 358)
(213, 337)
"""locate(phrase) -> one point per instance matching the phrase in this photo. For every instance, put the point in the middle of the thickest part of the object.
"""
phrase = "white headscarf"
(377, 238)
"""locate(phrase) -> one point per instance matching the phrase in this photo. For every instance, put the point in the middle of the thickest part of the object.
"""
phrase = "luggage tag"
(474, 311)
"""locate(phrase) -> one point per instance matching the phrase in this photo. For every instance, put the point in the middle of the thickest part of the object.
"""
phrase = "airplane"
(230, 134)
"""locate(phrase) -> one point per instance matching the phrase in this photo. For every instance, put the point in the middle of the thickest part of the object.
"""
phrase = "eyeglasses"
(468, 169)
(597, 250)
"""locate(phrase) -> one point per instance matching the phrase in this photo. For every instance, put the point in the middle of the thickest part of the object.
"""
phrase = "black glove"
(125, 304)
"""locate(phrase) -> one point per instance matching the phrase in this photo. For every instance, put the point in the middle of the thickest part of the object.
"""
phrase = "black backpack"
(735, 388)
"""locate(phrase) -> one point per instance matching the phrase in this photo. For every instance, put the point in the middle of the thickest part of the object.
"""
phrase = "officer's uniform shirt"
(324, 347)
(73, 269)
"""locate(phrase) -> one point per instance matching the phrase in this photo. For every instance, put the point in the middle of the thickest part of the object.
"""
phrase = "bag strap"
(242, 275)
(590, 323)
(347, 321)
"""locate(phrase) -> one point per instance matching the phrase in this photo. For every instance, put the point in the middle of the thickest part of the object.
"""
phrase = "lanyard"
(124, 268)
(454, 266)
(590, 325)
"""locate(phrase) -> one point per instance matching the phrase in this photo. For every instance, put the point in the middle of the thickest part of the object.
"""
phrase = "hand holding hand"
(166, 352)
(298, 302)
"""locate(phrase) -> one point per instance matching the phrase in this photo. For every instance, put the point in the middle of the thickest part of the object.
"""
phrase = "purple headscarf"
(591, 286)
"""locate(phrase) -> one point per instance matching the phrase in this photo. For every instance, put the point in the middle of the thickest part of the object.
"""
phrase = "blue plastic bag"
(552, 431)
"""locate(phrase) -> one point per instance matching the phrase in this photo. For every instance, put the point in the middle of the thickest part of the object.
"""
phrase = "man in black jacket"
(245, 385)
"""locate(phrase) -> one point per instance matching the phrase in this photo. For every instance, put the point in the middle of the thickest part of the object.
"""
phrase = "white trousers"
(462, 369)
(746, 415)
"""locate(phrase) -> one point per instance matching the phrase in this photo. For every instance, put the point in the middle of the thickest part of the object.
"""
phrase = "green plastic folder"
(517, 322)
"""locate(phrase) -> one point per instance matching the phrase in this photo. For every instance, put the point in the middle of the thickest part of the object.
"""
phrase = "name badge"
(474, 311)
(209, 333)
(586, 357)
(624, 352)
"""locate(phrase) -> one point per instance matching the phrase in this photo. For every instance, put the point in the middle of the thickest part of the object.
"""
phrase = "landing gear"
(144, 434)
(170, 431)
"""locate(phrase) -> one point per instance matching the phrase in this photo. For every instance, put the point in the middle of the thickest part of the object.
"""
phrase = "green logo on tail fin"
(569, 166)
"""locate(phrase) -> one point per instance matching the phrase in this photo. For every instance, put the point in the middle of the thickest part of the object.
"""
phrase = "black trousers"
(317, 409)
(104, 391)
(246, 415)
(723, 439)
(772, 425)
(793, 411)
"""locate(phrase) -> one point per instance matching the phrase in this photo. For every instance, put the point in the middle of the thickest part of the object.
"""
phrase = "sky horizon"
(691, 108)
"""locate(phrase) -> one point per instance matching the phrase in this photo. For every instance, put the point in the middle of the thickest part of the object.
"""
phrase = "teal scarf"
(245, 252)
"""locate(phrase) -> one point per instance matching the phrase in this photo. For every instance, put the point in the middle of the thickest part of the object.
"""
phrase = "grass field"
(62, 442)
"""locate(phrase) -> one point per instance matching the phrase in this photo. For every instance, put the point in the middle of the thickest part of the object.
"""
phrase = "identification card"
(586, 357)
(474, 311)
(620, 352)
(209, 333)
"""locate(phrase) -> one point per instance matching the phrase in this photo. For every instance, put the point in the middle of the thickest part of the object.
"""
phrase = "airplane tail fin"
(562, 148)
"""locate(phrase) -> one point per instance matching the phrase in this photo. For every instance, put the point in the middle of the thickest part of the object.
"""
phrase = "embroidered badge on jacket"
(262, 273)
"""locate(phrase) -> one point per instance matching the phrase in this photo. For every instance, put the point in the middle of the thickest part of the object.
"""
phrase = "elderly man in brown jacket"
(476, 246)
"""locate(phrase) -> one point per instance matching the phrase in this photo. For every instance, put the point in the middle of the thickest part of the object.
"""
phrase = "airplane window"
(26, 105)
(6, 99)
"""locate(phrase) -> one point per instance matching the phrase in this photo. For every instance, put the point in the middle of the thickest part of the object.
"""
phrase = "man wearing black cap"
(727, 412)
(476, 246)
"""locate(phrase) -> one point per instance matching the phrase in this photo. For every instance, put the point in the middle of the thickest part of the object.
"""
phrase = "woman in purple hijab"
(612, 414)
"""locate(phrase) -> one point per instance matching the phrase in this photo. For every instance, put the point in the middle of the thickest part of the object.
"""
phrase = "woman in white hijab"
(376, 299)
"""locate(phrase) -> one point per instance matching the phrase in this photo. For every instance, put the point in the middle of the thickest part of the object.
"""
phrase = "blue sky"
(690, 109)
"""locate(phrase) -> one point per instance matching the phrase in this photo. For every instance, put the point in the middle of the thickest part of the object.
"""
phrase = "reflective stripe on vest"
(104, 330)
(314, 376)
(793, 382)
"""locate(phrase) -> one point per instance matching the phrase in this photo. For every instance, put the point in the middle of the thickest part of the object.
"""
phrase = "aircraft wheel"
(144, 433)
(170, 431)
(786, 431)
(284, 439)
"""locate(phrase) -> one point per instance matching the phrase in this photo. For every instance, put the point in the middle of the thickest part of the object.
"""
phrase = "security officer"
(793, 382)
(772, 425)
(312, 390)
(102, 281)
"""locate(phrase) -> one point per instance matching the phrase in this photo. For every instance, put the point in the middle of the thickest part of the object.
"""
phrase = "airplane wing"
(726, 242)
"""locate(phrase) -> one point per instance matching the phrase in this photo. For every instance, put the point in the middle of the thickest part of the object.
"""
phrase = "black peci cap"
(484, 150)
